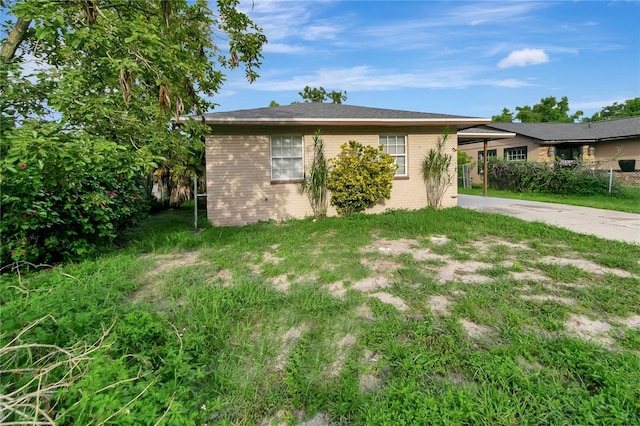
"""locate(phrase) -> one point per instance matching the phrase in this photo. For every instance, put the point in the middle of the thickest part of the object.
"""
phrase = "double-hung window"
(491, 153)
(516, 154)
(396, 146)
(287, 158)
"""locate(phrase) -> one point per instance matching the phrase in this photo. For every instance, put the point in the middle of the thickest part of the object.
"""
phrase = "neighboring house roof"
(552, 133)
(316, 113)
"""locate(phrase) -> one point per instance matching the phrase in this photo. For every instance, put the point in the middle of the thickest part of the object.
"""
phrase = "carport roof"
(484, 133)
(315, 113)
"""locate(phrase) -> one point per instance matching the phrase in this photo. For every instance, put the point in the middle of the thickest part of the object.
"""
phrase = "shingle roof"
(337, 113)
(563, 132)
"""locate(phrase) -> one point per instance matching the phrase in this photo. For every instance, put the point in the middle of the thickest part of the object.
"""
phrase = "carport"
(482, 134)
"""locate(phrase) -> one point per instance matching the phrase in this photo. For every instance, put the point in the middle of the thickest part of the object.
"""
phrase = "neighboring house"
(256, 158)
(605, 142)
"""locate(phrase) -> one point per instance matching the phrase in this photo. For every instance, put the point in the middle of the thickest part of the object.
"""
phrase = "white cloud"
(512, 83)
(288, 20)
(523, 58)
(321, 32)
(490, 12)
(282, 48)
(368, 78)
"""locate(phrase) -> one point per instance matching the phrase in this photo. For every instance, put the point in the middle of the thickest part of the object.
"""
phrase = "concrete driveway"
(607, 224)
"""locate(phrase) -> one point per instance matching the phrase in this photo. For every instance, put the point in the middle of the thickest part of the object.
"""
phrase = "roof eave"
(480, 135)
(345, 121)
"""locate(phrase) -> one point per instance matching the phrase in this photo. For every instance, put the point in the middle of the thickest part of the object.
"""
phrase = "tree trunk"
(18, 33)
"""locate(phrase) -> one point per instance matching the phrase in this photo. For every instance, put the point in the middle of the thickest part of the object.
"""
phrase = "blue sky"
(455, 57)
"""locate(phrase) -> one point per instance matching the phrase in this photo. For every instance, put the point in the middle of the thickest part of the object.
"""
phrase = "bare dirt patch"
(587, 329)
(283, 418)
(632, 322)
(394, 247)
(390, 300)
(225, 276)
(566, 285)
(490, 244)
(439, 239)
(475, 331)
(585, 265)
(550, 298)
(463, 271)
(342, 349)
(289, 338)
(370, 381)
(371, 283)
(364, 312)
(270, 258)
(420, 255)
(370, 358)
(439, 305)
(337, 289)
(407, 246)
(152, 287)
(529, 276)
(281, 283)
(166, 262)
(381, 266)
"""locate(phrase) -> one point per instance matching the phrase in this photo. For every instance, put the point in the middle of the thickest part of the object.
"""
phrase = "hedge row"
(552, 178)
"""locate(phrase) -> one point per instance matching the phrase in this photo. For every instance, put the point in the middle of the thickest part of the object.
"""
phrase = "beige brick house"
(256, 158)
(603, 142)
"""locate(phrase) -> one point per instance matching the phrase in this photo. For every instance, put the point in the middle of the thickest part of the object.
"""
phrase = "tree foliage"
(360, 177)
(314, 94)
(436, 172)
(548, 110)
(505, 117)
(464, 158)
(629, 108)
(117, 73)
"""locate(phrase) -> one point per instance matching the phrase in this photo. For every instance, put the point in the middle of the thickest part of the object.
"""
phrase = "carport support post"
(484, 169)
(195, 202)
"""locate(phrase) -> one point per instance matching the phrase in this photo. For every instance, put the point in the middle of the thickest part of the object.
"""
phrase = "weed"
(198, 348)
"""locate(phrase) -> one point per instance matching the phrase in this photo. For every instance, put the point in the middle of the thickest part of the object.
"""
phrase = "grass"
(627, 201)
(347, 321)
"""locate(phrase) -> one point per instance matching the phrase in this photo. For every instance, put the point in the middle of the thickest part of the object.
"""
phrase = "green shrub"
(361, 176)
(64, 195)
(315, 182)
(436, 172)
(464, 158)
(550, 178)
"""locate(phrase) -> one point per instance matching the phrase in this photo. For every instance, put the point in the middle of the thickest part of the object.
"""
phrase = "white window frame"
(518, 153)
(279, 156)
(384, 141)
(491, 153)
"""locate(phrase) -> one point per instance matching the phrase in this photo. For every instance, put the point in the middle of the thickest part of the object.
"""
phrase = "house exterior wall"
(239, 187)
(618, 150)
(535, 152)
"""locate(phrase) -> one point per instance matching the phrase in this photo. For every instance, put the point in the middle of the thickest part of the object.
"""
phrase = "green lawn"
(420, 317)
(627, 201)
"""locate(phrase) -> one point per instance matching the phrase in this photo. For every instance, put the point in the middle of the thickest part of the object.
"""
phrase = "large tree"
(122, 70)
(83, 82)
(629, 108)
(548, 110)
